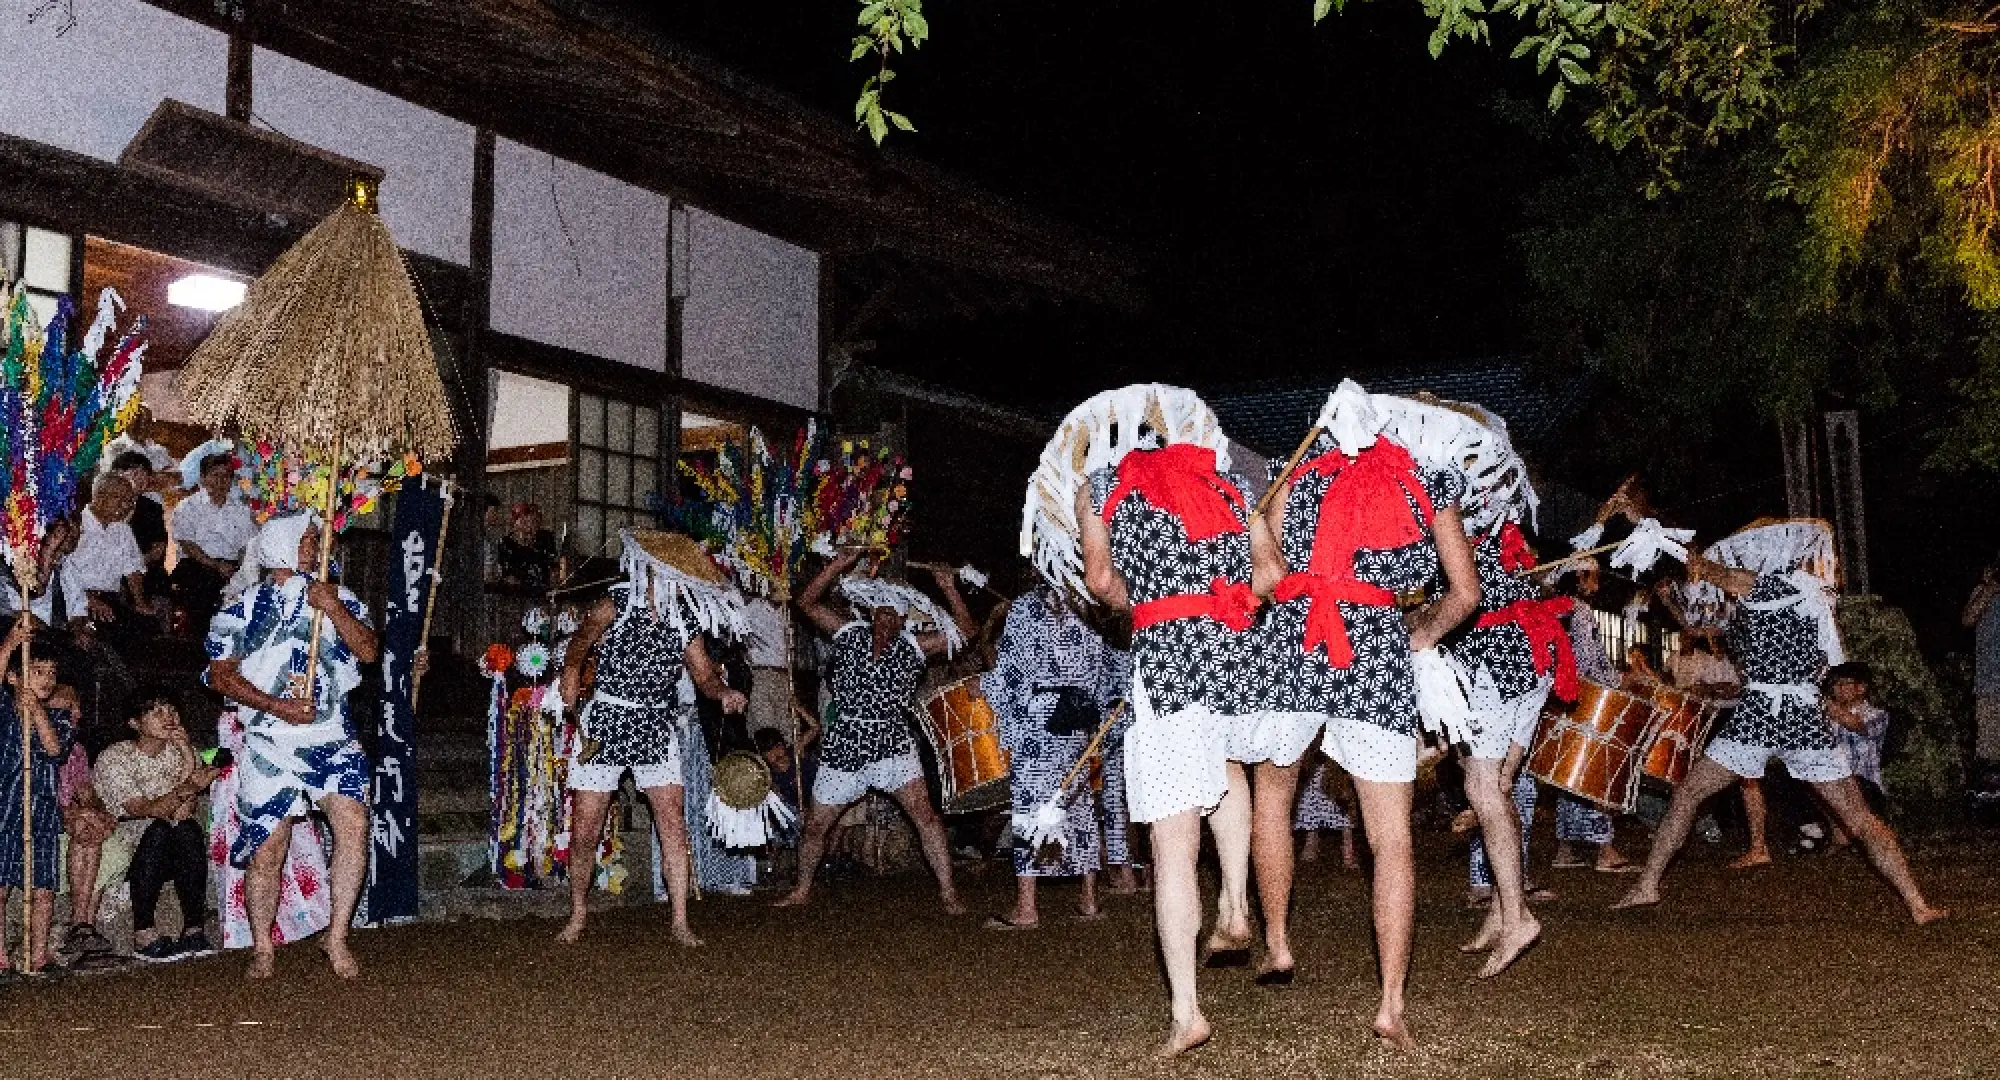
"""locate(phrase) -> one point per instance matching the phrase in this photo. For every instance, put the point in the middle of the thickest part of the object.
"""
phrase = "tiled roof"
(1271, 417)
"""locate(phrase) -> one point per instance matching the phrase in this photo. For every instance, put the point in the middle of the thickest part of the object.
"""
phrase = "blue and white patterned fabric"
(1117, 816)
(288, 768)
(48, 820)
(1045, 649)
(1524, 805)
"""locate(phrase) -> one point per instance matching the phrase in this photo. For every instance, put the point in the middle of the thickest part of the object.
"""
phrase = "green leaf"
(863, 104)
(878, 129)
(1577, 50)
(1556, 96)
(1321, 9)
(916, 26)
(1571, 71)
(1527, 44)
(871, 12)
(1546, 56)
(902, 122)
(862, 47)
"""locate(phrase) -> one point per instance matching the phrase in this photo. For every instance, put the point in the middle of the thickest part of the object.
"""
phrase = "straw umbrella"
(329, 357)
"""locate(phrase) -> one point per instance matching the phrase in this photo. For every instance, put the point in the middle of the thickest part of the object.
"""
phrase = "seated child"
(86, 824)
(152, 782)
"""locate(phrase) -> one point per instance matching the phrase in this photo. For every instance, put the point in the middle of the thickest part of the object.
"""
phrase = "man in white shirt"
(771, 676)
(211, 530)
(104, 578)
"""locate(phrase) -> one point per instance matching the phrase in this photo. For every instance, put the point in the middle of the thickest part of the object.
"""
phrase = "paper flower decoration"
(532, 660)
(565, 624)
(535, 622)
(972, 576)
(497, 659)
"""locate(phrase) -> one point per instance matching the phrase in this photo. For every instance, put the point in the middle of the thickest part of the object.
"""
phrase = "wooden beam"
(237, 94)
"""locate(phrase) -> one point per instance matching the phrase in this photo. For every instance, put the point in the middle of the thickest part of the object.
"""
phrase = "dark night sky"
(1309, 200)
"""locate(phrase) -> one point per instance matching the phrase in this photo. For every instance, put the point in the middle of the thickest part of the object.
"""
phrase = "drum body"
(1593, 749)
(1684, 722)
(965, 735)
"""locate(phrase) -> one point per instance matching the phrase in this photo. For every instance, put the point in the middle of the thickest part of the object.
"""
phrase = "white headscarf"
(275, 548)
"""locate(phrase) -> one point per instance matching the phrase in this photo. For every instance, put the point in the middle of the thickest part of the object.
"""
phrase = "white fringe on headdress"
(677, 596)
(1096, 435)
(867, 593)
(1444, 695)
(754, 827)
(1781, 547)
(1496, 479)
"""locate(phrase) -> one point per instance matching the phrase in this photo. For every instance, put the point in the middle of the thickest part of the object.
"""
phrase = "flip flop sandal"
(1228, 958)
(1621, 868)
(1090, 916)
(1002, 922)
(1568, 864)
(1276, 977)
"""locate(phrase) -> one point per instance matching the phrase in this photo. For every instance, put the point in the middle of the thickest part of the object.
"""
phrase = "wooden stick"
(1576, 555)
(325, 566)
(27, 800)
(1102, 729)
(1285, 475)
(430, 605)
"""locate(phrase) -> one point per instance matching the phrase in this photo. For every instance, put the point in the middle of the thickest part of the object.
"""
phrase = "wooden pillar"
(237, 92)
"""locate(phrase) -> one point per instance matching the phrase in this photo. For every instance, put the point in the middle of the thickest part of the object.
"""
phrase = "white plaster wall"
(600, 285)
(751, 319)
(427, 192)
(528, 411)
(90, 89)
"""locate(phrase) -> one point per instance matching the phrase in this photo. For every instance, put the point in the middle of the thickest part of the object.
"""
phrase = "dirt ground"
(1804, 969)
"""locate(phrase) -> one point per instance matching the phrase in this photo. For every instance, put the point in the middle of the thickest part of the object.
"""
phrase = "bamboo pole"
(1285, 475)
(325, 566)
(430, 605)
(1102, 730)
(27, 799)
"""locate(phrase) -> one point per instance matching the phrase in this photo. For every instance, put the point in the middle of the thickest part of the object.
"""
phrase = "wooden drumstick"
(1285, 475)
(1090, 749)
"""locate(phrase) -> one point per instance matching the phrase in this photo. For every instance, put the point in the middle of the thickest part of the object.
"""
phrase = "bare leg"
(1844, 798)
(1349, 860)
(1025, 913)
(586, 832)
(1703, 780)
(41, 906)
(1177, 912)
(1086, 900)
(811, 846)
(83, 883)
(1385, 811)
(5, 963)
(670, 822)
(1308, 845)
(1754, 816)
(350, 868)
(260, 897)
(916, 802)
(1124, 882)
(1271, 855)
(1230, 824)
(1509, 928)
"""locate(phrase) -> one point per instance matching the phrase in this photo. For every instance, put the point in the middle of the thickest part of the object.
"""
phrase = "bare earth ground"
(1804, 969)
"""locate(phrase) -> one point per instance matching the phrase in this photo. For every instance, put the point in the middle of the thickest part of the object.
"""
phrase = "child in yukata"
(50, 736)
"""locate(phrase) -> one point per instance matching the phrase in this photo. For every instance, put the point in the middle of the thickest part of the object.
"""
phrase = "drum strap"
(1230, 603)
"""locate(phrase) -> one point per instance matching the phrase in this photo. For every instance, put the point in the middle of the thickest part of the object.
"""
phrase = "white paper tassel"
(868, 593)
(715, 608)
(1588, 538)
(972, 576)
(1444, 695)
(1649, 541)
(1046, 826)
(734, 828)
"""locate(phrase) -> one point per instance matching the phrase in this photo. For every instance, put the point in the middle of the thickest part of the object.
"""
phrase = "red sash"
(1366, 506)
(1181, 480)
(1548, 638)
(1230, 603)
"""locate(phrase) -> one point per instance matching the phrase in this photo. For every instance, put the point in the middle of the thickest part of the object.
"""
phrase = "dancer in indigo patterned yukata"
(1049, 694)
(1783, 637)
(1360, 523)
(877, 665)
(645, 633)
(1120, 865)
(1516, 651)
(1167, 533)
(299, 753)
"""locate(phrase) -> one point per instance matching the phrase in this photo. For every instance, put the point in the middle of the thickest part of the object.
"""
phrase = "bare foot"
(684, 936)
(1927, 914)
(344, 964)
(1123, 882)
(572, 930)
(1510, 947)
(263, 963)
(1391, 1028)
(1488, 935)
(1749, 859)
(1640, 896)
(1186, 1037)
(795, 898)
(952, 904)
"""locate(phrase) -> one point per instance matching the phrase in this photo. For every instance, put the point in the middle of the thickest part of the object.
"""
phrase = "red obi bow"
(1548, 639)
(1366, 506)
(1181, 480)
(1230, 603)
(1515, 554)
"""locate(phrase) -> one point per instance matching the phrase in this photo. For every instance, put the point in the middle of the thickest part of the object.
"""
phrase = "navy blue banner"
(422, 509)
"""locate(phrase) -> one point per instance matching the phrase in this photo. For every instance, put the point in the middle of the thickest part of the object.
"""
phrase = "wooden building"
(627, 251)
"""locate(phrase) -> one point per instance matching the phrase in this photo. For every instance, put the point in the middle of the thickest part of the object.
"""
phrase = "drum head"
(742, 780)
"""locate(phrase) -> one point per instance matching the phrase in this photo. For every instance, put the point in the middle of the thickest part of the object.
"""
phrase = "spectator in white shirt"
(211, 528)
(104, 579)
(45, 603)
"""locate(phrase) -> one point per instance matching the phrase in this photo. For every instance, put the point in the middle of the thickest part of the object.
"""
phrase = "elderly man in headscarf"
(299, 746)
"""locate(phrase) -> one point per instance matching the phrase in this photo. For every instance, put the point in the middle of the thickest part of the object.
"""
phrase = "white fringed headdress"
(867, 593)
(676, 577)
(1466, 438)
(1763, 547)
(1096, 435)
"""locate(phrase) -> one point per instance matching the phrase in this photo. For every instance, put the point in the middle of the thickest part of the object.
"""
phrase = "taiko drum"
(1593, 749)
(965, 735)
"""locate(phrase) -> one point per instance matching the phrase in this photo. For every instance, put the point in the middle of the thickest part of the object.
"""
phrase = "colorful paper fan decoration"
(496, 660)
(858, 500)
(276, 482)
(532, 660)
(59, 408)
(748, 515)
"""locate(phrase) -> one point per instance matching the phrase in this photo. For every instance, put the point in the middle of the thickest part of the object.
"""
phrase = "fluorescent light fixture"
(206, 292)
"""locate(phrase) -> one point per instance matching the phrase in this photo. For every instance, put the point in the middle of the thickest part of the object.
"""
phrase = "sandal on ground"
(1002, 922)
